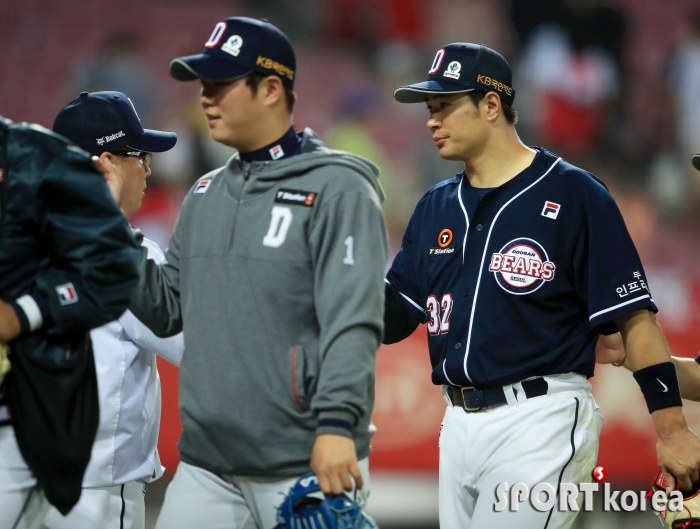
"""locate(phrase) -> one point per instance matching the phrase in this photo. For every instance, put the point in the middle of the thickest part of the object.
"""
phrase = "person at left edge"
(124, 456)
(67, 265)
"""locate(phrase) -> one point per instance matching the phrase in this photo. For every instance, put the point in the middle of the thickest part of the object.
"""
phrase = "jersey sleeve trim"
(416, 305)
(619, 305)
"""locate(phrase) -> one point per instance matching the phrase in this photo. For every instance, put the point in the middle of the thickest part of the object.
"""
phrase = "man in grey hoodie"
(275, 275)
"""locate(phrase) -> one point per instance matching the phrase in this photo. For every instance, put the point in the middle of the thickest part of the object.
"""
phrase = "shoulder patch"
(66, 294)
(202, 186)
(296, 197)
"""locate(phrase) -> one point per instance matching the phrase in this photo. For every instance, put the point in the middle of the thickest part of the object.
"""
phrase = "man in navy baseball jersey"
(517, 265)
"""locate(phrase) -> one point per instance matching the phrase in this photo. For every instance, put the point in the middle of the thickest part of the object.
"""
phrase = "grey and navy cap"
(463, 67)
(695, 160)
(237, 47)
(106, 121)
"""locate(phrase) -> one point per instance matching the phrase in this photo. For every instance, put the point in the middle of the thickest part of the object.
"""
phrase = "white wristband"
(31, 310)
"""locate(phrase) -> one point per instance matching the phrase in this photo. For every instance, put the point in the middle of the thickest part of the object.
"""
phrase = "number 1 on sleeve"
(349, 259)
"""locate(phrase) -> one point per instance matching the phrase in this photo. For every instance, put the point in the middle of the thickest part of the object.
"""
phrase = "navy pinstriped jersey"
(518, 282)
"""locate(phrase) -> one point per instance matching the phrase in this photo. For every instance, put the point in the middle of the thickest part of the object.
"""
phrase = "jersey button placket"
(479, 227)
(458, 345)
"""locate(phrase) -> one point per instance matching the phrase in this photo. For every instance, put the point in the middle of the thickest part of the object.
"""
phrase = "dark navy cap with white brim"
(415, 93)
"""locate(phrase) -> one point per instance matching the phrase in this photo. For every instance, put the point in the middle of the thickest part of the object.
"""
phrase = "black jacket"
(67, 252)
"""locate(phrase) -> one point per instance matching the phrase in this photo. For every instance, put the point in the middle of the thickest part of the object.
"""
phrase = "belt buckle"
(464, 400)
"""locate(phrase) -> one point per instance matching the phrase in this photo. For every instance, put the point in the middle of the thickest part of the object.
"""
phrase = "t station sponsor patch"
(295, 197)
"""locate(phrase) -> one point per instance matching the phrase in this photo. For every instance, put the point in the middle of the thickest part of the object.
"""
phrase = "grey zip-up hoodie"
(275, 274)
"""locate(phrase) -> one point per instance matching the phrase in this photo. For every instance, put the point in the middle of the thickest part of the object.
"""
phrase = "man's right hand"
(334, 461)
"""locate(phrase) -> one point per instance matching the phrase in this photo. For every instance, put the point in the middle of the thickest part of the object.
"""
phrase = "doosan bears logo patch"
(522, 266)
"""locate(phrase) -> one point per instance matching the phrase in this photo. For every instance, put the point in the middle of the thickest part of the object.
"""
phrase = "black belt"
(473, 399)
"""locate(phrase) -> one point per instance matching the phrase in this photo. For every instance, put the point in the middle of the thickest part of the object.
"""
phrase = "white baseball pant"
(199, 498)
(22, 503)
(552, 438)
(119, 506)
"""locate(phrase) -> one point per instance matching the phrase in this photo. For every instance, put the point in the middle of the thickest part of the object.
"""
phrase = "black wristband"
(659, 385)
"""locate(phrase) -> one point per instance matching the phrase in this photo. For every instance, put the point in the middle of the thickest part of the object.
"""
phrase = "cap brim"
(207, 67)
(154, 141)
(415, 93)
(695, 160)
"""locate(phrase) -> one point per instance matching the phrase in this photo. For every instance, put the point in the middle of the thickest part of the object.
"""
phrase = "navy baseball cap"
(463, 67)
(237, 47)
(695, 160)
(106, 121)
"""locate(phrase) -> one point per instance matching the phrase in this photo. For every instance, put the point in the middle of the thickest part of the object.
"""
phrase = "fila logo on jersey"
(202, 186)
(276, 152)
(550, 210)
(522, 266)
(298, 198)
(66, 294)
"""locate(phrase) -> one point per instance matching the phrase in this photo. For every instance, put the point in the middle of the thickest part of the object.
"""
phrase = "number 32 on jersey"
(439, 314)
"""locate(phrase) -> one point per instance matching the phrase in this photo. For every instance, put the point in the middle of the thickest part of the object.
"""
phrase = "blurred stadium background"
(611, 85)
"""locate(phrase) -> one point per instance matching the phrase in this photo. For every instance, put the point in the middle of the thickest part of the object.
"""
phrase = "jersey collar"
(285, 147)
